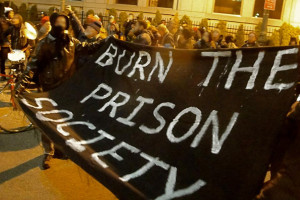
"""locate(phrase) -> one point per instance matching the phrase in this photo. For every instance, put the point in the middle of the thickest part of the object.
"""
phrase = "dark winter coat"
(54, 59)
(144, 37)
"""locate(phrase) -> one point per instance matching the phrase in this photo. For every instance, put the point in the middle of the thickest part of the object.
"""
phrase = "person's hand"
(68, 9)
(294, 113)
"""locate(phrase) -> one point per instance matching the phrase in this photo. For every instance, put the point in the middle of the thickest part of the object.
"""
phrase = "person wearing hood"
(143, 36)
(53, 63)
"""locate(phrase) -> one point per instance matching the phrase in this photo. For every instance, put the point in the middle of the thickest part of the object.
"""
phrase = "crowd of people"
(52, 57)
(137, 30)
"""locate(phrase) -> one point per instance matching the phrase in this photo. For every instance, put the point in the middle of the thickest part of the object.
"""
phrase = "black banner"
(156, 123)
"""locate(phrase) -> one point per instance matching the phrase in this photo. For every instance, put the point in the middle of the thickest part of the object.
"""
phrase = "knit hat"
(96, 25)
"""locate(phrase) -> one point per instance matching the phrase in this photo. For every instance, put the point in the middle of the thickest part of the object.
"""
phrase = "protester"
(113, 28)
(164, 22)
(128, 25)
(186, 39)
(54, 63)
(205, 42)
(229, 41)
(216, 39)
(198, 34)
(251, 42)
(156, 35)
(5, 46)
(45, 28)
(16, 35)
(293, 41)
(285, 182)
(167, 39)
(92, 31)
(143, 35)
(9, 13)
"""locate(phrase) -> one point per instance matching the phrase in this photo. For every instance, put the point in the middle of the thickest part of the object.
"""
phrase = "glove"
(294, 113)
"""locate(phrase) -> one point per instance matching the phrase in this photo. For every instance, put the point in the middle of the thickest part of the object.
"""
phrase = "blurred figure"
(43, 14)
(172, 27)
(154, 31)
(251, 42)
(293, 41)
(9, 13)
(18, 39)
(198, 34)
(167, 39)
(143, 36)
(205, 42)
(164, 22)
(5, 46)
(285, 164)
(230, 43)
(45, 28)
(92, 31)
(186, 39)
(128, 25)
(113, 27)
(216, 39)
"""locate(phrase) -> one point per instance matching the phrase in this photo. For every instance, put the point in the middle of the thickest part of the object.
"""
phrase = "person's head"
(293, 41)
(163, 22)
(9, 12)
(216, 35)
(17, 20)
(206, 36)
(229, 39)
(251, 38)
(184, 24)
(140, 26)
(186, 34)
(111, 19)
(43, 14)
(93, 29)
(162, 29)
(130, 16)
(59, 23)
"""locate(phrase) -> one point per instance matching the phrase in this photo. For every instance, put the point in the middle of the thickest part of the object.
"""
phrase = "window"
(259, 9)
(131, 2)
(228, 6)
(161, 3)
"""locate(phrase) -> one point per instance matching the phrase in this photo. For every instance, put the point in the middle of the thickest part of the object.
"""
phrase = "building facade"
(234, 11)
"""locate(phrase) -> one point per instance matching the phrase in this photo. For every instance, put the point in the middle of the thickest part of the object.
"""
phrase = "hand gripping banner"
(157, 123)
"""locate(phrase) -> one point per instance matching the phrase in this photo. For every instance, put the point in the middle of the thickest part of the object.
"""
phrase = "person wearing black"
(285, 162)
(143, 36)
(205, 41)
(186, 40)
(128, 25)
(53, 63)
(18, 39)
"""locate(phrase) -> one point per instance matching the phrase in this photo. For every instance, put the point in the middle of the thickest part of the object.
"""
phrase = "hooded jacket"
(144, 37)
